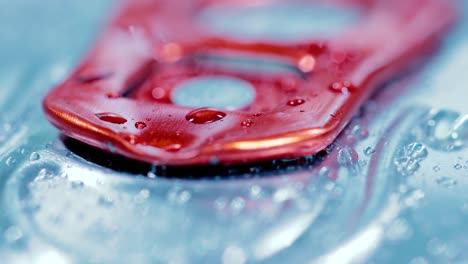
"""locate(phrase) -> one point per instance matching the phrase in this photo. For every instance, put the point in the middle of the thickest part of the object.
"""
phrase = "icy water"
(391, 189)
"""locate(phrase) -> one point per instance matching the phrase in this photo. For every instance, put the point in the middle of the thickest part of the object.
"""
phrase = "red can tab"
(189, 82)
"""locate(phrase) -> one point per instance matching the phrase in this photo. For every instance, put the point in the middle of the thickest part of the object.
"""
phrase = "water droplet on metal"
(247, 123)
(77, 184)
(34, 156)
(296, 102)
(10, 161)
(408, 161)
(369, 151)
(204, 116)
(220, 203)
(111, 118)
(255, 192)
(142, 196)
(12, 234)
(237, 204)
(140, 125)
(306, 64)
(347, 157)
(447, 182)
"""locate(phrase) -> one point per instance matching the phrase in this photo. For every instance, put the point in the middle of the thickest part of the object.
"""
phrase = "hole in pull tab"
(221, 92)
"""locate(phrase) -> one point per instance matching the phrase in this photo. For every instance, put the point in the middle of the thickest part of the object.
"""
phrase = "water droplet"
(173, 147)
(142, 196)
(105, 201)
(113, 95)
(306, 64)
(436, 246)
(342, 87)
(151, 175)
(220, 203)
(41, 175)
(407, 163)
(90, 78)
(171, 52)
(237, 204)
(158, 93)
(296, 102)
(13, 233)
(179, 196)
(446, 182)
(369, 151)
(34, 156)
(398, 230)
(204, 116)
(458, 166)
(63, 175)
(436, 168)
(234, 255)
(444, 249)
(10, 161)
(131, 138)
(416, 151)
(76, 184)
(418, 260)
(444, 130)
(140, 125)
(111, 118)
(359, 131)
(347, 157)
(255, 192)
(284, 194)
(247, 123)
(184, 197)
(464, 208)
(412, 198)
(257, 114)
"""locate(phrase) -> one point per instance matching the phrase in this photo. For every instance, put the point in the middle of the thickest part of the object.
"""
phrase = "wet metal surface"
(391, 189)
